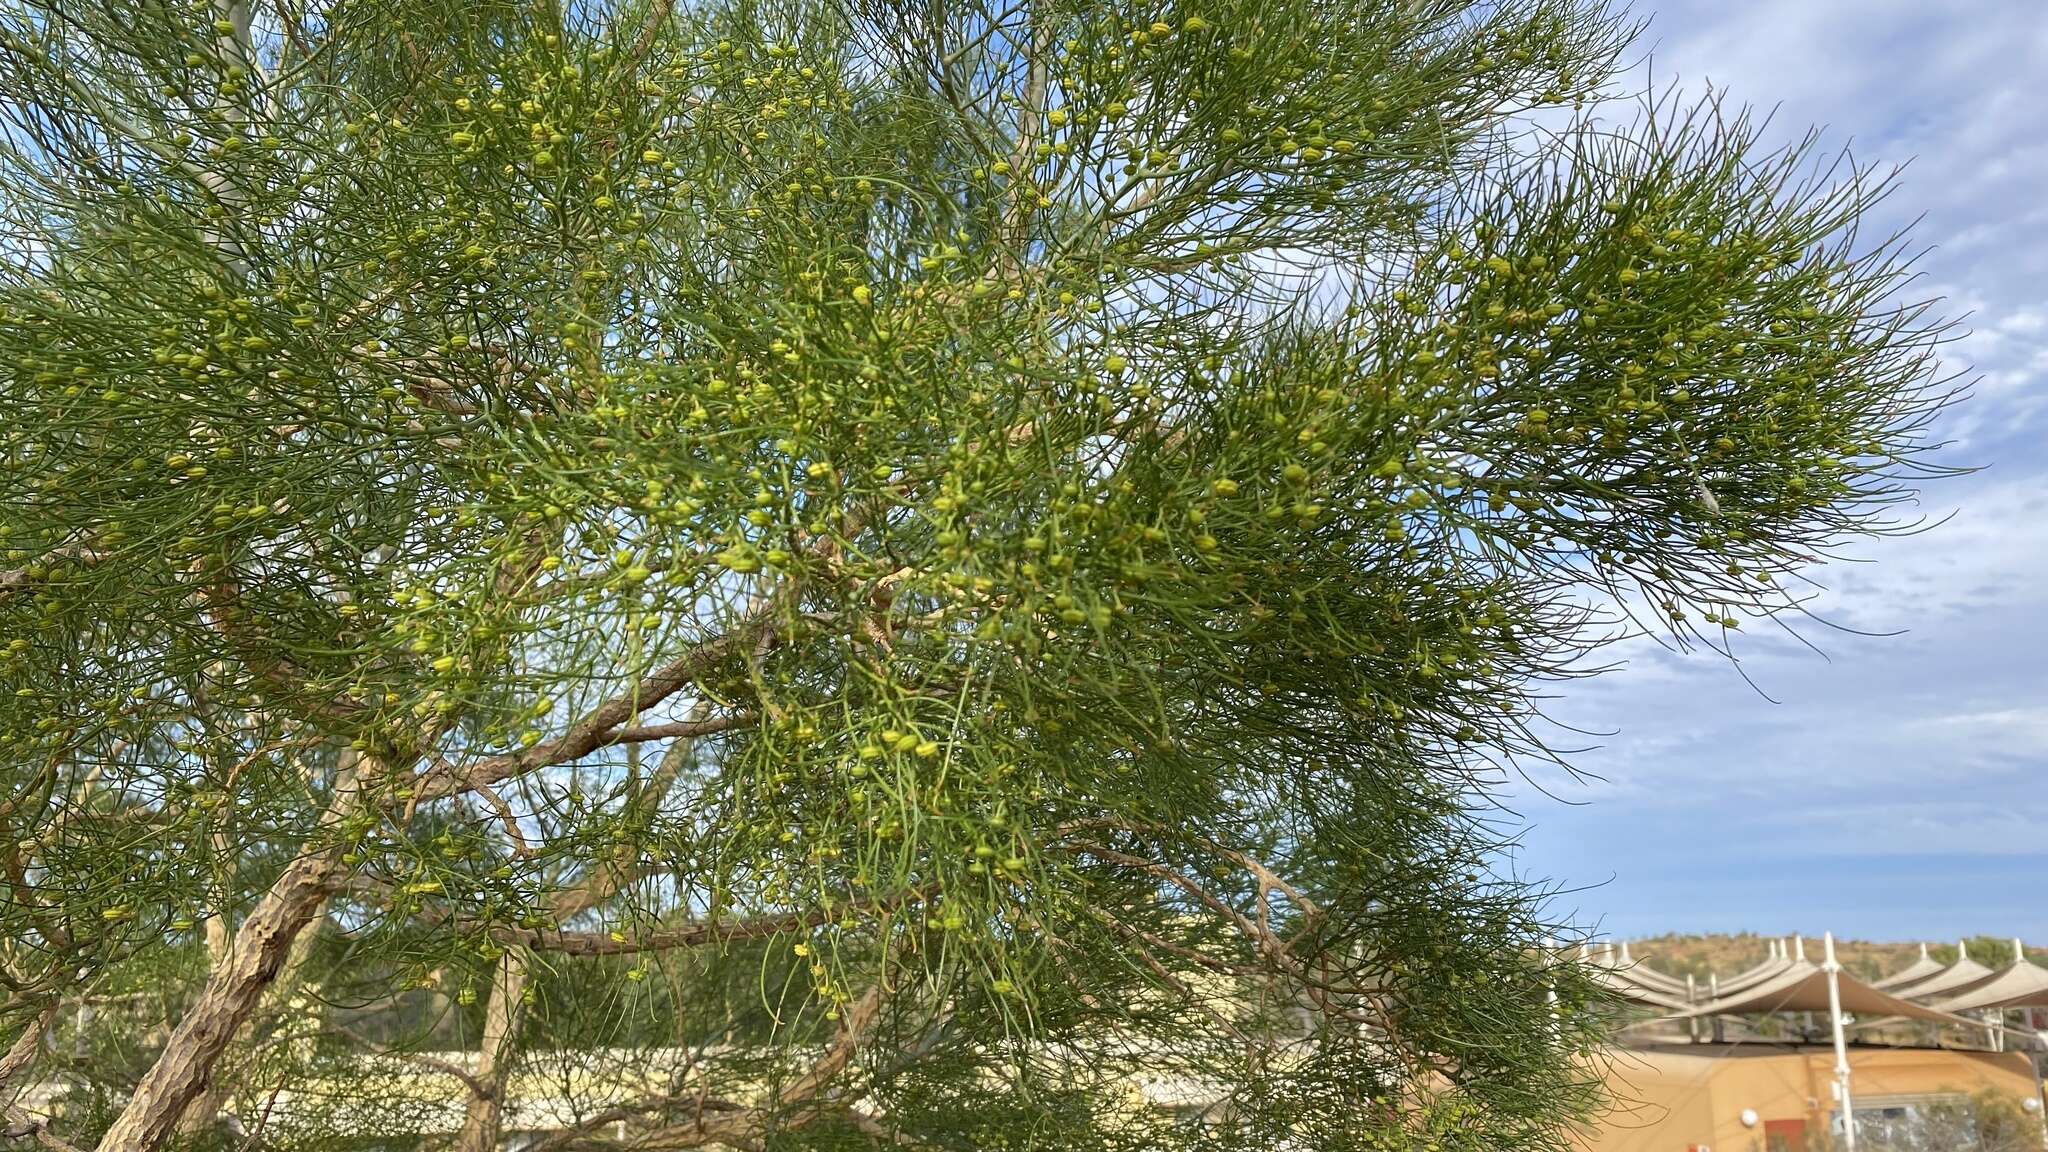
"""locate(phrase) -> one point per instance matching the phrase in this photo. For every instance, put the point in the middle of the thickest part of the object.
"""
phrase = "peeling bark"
(204, 1112)
(235, 988)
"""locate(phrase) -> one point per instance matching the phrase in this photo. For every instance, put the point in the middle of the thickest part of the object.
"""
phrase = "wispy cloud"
(1908, 768)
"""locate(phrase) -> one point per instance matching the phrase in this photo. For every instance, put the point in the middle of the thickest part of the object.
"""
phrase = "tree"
(1987, 1120)
(871, 570)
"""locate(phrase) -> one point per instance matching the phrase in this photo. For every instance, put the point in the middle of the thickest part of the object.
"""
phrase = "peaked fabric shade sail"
(1619, 975)
(2020, 984)
(1640, 973)
(1777, 963)
(1918, 970)
(1958, 977)
(1637, 993)
(1803, 987)
(1601, 967)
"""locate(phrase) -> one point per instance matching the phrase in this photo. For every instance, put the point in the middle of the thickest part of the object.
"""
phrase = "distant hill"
(1682, 954)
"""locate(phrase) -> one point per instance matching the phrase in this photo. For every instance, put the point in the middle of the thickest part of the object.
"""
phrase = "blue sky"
(1898, 786)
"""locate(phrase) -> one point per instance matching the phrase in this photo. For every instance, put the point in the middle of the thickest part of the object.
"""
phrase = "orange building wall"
(1651, 1101)
(1675, 1100)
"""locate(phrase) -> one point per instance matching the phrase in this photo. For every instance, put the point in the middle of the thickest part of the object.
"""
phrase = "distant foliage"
(1723, 954)
(1986, 1122)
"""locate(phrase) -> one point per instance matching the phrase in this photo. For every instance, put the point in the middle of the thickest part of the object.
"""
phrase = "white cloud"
(1904, 768)
(1988, 554)
(2017, 732)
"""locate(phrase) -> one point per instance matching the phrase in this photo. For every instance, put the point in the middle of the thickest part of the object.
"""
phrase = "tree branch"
(724, 1122)
(599, 726)
(15, 580)
(682, 729)
(657, 15)
(20, 1056)
(235, 987)
(436, 1064)
(1023, 163)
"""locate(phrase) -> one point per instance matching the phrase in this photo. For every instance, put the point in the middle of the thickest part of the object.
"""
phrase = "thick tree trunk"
(232, 992)
(204, 1112)
(484, 1119)
(235, 988)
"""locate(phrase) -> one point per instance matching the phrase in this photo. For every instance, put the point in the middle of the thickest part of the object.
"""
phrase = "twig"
(596, 728)
(420, 1058)
(649, 29)
(20, 1055)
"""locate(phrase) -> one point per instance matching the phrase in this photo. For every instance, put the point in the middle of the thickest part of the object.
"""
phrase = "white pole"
(1714, 993)
(2019, 956)
(1550, 961)
(1692, 1026)
(1834, 969)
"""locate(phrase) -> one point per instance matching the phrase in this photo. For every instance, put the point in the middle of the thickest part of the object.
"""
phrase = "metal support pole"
(1714, 993)
(1834, 970)
(1692, 1026)
(1550, 962)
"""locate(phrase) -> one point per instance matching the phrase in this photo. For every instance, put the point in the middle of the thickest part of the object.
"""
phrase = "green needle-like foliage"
(826, 573)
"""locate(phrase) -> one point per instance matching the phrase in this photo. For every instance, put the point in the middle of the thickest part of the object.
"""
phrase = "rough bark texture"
(14, 1065)
(484, 1118)
(22, 1053)
(185, 1069)
(204, 1112)
(235, 987)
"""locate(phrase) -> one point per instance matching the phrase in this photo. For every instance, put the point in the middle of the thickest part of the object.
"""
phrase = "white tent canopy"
(1919, 969)
(1958, 977)
(1808, 987)
(1780, 959)
(2020, 984)
(1620, 977)
(1803, 987)
(1632, 969)
(1636, 993)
